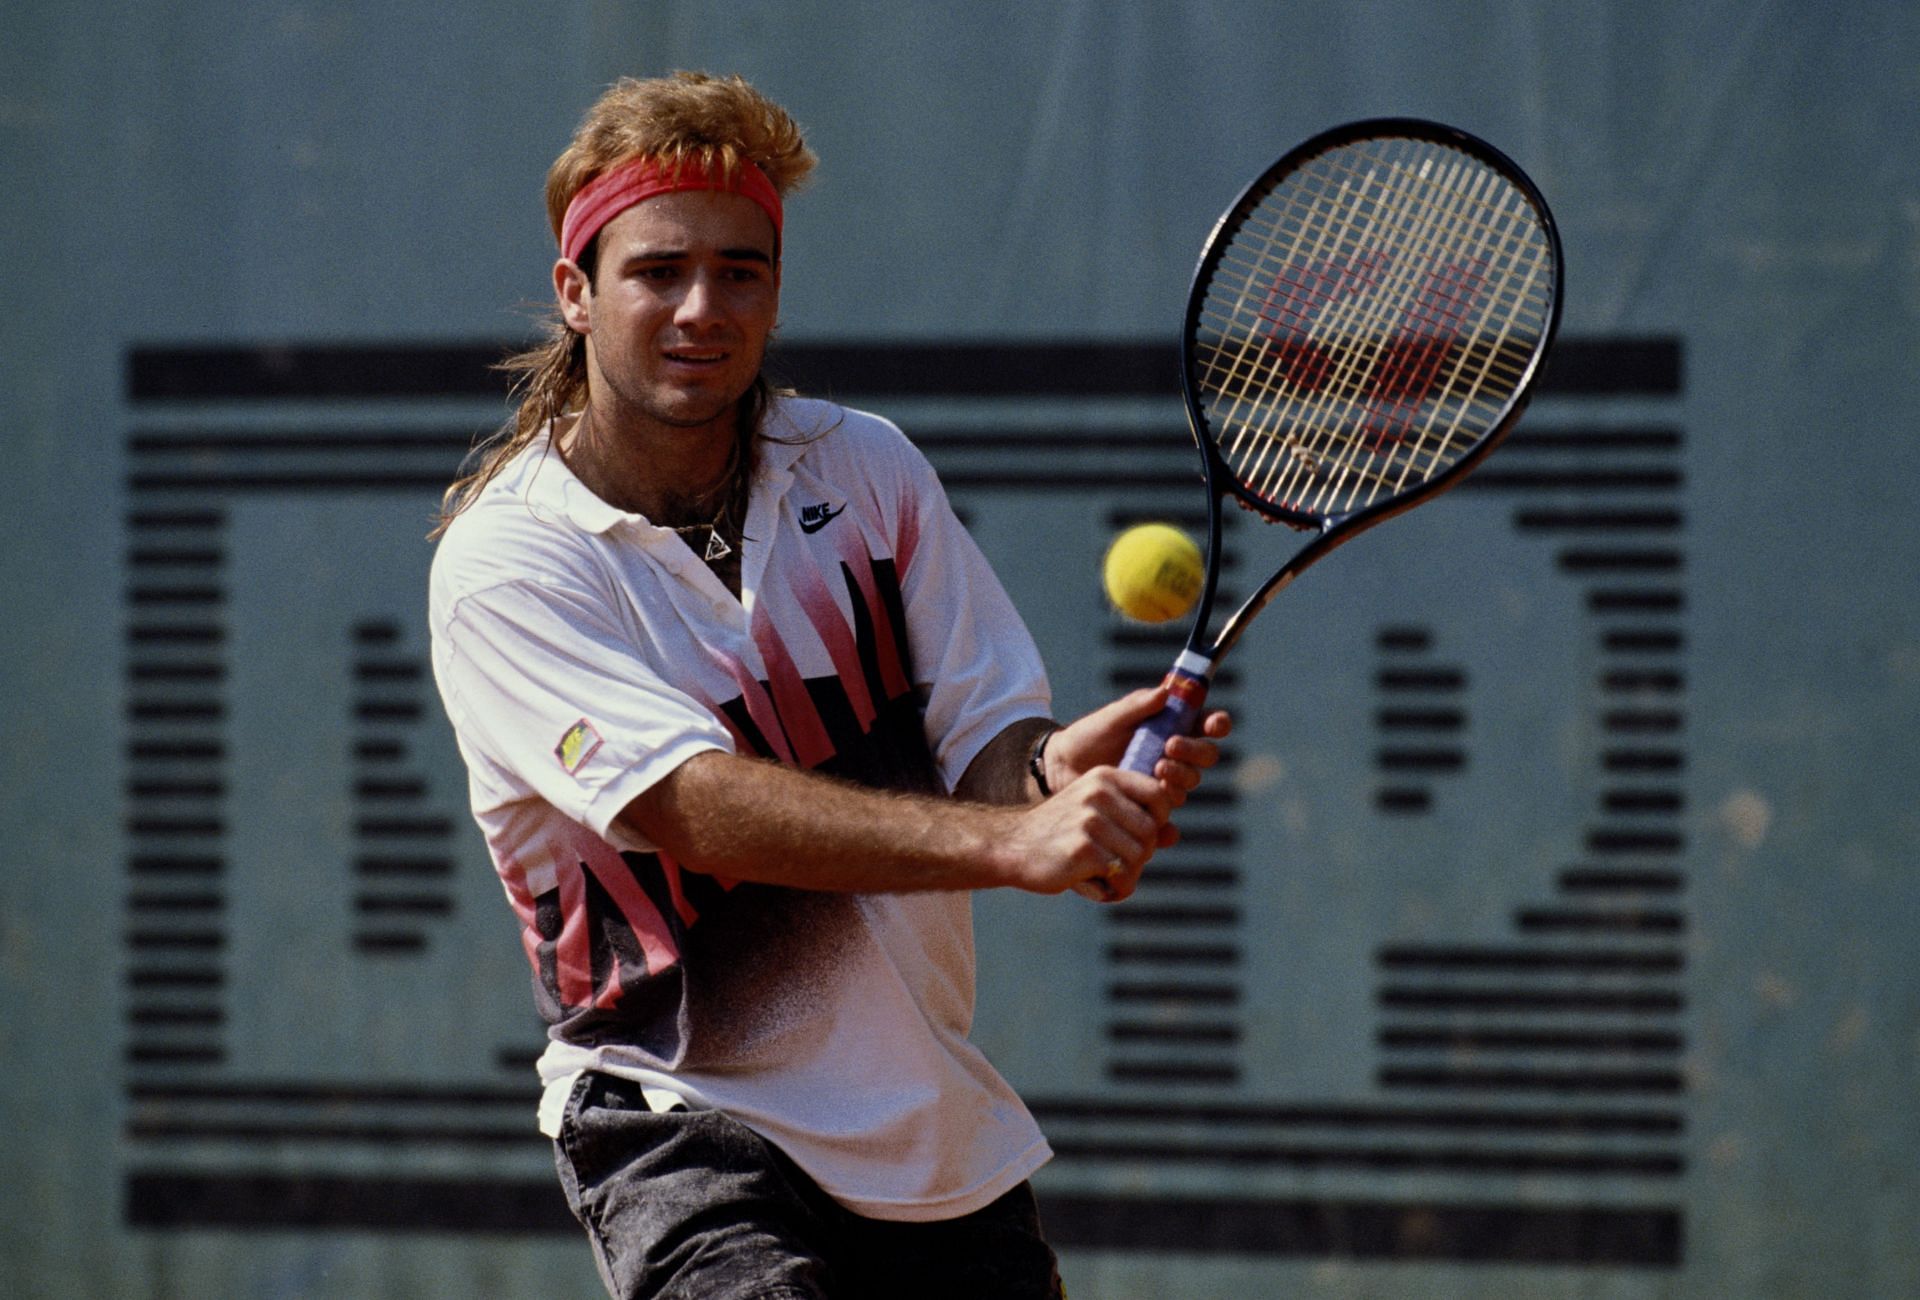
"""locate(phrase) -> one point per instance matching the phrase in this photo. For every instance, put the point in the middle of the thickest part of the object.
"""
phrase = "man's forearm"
(750, 819)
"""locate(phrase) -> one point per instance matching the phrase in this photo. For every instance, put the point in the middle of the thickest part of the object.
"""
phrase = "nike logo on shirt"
(814, 518)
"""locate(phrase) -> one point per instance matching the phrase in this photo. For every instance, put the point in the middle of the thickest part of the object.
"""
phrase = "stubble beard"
(667, 406)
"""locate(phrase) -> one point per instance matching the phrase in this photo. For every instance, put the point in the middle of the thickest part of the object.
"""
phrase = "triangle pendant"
(717, 548)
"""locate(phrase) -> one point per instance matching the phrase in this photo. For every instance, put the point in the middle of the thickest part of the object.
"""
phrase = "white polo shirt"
(584, 653)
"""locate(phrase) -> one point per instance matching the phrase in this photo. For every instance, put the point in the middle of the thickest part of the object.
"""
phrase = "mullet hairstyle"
(688, 119)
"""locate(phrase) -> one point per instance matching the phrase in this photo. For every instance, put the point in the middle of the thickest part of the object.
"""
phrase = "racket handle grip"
(1186, 697)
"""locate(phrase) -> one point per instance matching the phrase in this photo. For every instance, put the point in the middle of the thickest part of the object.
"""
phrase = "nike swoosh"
(814, 518)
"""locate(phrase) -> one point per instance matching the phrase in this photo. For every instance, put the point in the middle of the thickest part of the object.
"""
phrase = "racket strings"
(1395, 360)
(1334, 317)
(1520, 302)
(1402, 362)
(1365, 323)
(1356, 296)
(1298, 359)
(1407, 368)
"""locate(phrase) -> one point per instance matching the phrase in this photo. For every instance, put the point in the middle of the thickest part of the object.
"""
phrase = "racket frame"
(1331, 531)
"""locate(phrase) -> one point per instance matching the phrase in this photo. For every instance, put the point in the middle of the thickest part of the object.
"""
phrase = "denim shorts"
(693, 1205)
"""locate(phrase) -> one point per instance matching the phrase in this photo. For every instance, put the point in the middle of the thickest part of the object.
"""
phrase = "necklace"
(717, 548)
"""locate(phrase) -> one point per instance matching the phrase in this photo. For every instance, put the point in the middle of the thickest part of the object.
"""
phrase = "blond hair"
(686, 118)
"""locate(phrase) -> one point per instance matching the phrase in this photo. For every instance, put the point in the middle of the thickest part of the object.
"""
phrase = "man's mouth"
(695, 356)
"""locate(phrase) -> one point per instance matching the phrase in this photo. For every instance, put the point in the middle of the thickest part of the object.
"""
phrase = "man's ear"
(573, 289)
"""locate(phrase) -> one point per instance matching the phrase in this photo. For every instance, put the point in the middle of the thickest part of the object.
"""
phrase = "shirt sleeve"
(542, 682)
(974, 659)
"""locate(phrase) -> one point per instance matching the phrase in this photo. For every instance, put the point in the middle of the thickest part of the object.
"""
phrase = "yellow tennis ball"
(1153, 573)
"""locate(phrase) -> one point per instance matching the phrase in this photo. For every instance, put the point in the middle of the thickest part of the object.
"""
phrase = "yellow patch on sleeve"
(577, 746)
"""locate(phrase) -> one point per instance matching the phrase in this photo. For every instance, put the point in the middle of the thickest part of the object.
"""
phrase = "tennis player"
(747, 717)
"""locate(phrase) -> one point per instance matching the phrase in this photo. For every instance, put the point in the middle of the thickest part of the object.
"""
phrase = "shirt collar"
(552, 485)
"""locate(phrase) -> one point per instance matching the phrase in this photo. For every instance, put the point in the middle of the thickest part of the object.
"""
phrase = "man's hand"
(1100, 738)
(1084, 752)
(1094, 837)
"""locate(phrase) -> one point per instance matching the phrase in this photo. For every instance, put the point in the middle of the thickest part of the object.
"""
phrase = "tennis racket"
(1365, 326)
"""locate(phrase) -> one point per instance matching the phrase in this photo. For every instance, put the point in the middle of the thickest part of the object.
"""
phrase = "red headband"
(610, 193)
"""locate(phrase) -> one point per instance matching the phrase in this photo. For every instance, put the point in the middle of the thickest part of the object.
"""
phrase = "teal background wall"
(1549, 934)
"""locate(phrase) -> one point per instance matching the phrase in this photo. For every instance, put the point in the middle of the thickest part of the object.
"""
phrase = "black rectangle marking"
(1638, 1236)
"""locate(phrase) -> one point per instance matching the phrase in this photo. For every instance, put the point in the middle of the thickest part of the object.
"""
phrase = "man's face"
(684, 295)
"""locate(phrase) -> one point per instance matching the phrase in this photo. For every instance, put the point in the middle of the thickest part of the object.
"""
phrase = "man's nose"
(701, 302)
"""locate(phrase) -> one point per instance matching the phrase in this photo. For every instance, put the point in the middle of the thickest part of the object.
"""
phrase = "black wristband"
(1036, 764)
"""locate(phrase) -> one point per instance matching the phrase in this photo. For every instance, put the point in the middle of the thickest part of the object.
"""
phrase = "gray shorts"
(694, 1205)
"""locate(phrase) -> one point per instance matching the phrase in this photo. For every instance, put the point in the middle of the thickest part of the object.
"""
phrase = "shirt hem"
(562, 1064)
(981, 1195)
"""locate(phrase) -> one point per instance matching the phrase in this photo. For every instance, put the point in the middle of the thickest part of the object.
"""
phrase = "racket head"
(1367, 322)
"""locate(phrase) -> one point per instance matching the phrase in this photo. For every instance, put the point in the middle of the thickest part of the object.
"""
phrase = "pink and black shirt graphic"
(584, 653)
(617, 944)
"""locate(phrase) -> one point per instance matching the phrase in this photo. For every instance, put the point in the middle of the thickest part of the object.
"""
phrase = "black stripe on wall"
(1376, 1230)
(1581, 367)
(1381, 1230)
